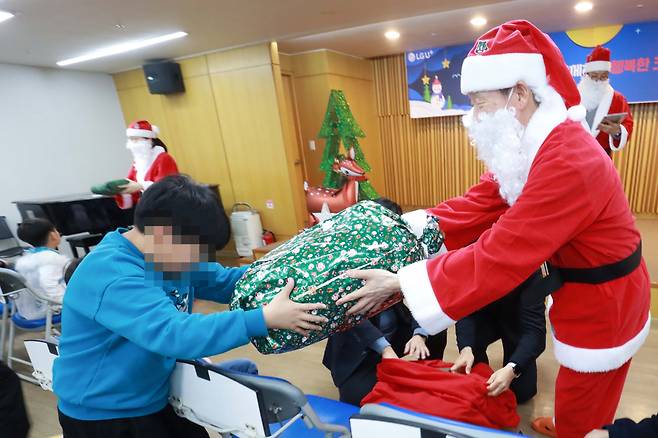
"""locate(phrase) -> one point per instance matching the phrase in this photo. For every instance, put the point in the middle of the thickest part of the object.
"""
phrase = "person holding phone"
(608, 117)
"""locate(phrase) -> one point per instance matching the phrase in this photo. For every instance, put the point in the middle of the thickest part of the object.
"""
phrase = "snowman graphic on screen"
(437, 98)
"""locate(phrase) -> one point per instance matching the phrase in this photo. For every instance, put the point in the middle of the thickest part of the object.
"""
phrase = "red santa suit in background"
(150, 163)
(600, 99)
(567, 207)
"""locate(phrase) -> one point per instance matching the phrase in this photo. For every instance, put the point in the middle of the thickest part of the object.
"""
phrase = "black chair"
(86, 242)
(7, 238)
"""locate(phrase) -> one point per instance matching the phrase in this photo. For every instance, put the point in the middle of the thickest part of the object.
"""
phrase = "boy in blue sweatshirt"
(127, 316)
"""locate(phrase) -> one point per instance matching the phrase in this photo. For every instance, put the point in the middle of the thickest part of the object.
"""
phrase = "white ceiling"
(452, 27)
(46, 31)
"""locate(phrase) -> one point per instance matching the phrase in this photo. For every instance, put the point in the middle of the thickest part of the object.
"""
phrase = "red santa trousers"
(586, 401)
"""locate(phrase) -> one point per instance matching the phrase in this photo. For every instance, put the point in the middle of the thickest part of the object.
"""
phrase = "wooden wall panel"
(225, 129)
(199, 148)
(425, 160)
(315, 75)
(429, 160)
(289, 122)
(312, 96)
(638, 161)
(251, 128)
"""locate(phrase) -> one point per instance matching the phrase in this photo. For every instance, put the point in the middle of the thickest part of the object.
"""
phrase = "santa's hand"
(609, 127)
(500, 381)
(131, 187)
(379, 286)
(465, 360)
(417, 348)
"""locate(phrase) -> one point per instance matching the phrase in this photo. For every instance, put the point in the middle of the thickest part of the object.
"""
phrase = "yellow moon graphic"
(594, 36)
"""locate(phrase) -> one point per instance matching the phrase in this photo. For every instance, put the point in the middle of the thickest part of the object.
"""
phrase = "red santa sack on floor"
(424, 386)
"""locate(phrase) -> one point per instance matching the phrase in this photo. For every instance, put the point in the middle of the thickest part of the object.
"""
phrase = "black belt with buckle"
(605, 273)
(548, 278)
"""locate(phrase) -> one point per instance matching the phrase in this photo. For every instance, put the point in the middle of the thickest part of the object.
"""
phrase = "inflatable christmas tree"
(339, 126)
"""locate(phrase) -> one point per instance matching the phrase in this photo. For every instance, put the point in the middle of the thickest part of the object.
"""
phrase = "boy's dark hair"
(191, 209)
(35, 231)
(71, 267)
(391, 205)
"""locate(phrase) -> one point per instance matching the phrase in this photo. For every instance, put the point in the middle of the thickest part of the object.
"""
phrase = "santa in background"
(151, 162)
(550, 194)
(600, 99)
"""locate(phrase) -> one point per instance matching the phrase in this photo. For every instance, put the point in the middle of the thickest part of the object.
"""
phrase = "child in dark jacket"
(352, 356)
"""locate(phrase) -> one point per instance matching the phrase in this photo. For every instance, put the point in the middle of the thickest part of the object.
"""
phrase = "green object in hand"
(364, 236)
(110, 188)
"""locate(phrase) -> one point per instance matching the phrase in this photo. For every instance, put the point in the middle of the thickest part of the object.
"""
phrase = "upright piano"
(76, 214)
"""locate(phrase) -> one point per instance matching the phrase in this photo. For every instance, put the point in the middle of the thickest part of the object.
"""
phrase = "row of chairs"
(12, 285)
(252, 406)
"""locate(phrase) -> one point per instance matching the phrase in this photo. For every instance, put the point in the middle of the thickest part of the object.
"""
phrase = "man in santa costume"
(599, 99)
(151, 162)
(550, 194)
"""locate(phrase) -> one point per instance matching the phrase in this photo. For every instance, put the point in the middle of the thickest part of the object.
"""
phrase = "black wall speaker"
(164, 77)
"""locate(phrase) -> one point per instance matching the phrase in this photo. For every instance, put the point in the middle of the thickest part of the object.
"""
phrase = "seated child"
(42, 266)
(127, 316)
(352, 356)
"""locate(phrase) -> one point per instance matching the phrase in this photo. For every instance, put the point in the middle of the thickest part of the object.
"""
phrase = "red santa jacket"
(422, 387)
(163, 165)
(612, 103)
(573, 213)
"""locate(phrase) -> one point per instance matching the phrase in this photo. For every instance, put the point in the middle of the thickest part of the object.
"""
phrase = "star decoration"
(425, 79)
(324, 214)
(445, 63)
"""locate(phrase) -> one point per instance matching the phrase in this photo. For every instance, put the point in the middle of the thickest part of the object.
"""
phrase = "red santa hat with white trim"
(518, 51)
(142, 128)
(598, 60)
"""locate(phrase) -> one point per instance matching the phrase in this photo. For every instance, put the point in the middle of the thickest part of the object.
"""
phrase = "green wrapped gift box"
(364, 236)
(109, 188)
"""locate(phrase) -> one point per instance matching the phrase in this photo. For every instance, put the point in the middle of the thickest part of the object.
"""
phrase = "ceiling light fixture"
(4, 16)
(392, 35)
(583, 7)
(478, 21)
(121, 48)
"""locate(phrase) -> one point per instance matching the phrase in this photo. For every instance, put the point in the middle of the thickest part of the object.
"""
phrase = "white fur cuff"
(421, 299)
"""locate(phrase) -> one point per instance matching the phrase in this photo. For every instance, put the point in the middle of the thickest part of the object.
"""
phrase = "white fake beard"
(497, 139)
(142, 152)
(591, 91)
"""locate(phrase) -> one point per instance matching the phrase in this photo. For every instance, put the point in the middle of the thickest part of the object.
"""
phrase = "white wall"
(60, 133)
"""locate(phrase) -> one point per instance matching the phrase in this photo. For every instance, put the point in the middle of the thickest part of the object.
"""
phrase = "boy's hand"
(389, 353)
(283, 313)
(465, 360)
(417, 348)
